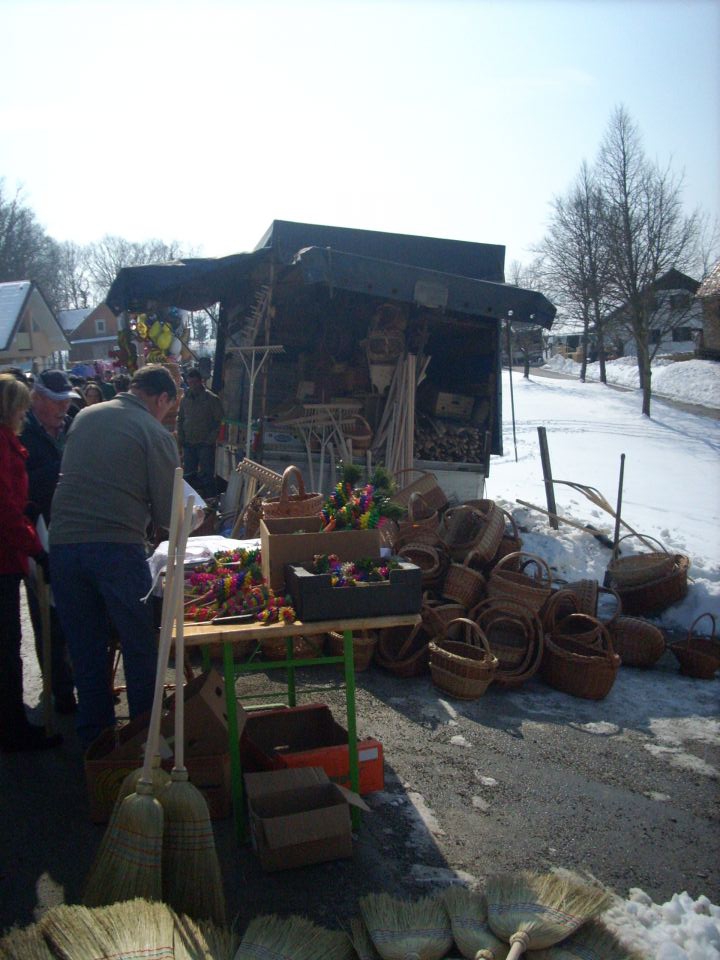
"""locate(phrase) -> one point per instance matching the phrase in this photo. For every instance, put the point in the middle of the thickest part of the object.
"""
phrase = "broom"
(361, 941)
(401, 930)
(132, 930)
(533, 911)
(468, 914)
(129, 860)
(192, 880)
(202, 941)
(25, 944)
(293, 938)
(593, 941)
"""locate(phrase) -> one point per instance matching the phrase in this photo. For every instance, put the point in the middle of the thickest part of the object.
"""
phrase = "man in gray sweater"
(116, 476)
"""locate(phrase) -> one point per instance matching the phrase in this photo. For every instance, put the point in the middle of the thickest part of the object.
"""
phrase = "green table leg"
(234, 743)
(292, 689)
(351, 722)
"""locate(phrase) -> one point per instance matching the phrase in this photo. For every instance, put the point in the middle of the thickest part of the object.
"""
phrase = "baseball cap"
(55, 385)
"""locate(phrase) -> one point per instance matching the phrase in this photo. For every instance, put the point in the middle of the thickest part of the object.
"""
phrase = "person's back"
(114, 475)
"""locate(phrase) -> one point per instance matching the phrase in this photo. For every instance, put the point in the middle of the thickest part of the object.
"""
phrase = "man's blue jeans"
(95, 585)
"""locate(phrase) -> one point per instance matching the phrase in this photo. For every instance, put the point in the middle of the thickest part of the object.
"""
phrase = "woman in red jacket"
(19, 541)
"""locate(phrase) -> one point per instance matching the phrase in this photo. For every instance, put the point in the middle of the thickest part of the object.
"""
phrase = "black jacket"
(43, 464)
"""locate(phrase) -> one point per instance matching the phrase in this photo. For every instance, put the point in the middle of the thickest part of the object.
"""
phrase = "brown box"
(309, 736)
(298, 817)
(116, 753)
(298, 539)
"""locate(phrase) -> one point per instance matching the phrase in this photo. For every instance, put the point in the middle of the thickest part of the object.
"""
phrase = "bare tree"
(75, 283)
(108, 256)
(525, 338)
(646, 233)
(26, 251)
(575, 261)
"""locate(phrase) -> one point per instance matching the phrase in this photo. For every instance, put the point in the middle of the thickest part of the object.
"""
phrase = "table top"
(199, 634)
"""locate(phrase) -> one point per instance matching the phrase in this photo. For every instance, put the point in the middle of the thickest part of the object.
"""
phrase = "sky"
(202, 121)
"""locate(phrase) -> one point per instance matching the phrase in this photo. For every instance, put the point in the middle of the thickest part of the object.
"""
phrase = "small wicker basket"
(657, 595)
(516, 584)
(641, 568)
(582, 671)
(300, 504)
(463, 585)
(432, 560)
(363, 643)
(511, 541)
(637, 642)
(698, 656)
(463, 669)
(476, 525)
(424, 483)
(515, 636)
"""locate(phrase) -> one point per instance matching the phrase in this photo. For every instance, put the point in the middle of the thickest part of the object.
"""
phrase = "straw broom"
(202, 941)
(129, 860)
(401, 930)
(132, 930)
(593, 941)
(361, 941)
(293, 938)
(471, 932)
(535, 911)
(25, 944)
(192, 880)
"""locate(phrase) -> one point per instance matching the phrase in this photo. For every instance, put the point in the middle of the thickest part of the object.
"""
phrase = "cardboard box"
(116, 753)
(298, 817)
(315, 598)
(299, 539)
(309, 736)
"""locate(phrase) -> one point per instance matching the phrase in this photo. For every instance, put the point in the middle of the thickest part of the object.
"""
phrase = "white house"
(30, 335)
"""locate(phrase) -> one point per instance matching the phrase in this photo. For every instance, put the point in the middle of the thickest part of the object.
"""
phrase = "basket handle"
(415, 499)
(474, 630)
(288, 474)
(603, 634)
(513, 608)
(511, 518)
(696, 620)
(618, 604)
(642, 536)
(552, 603)
(542, 567)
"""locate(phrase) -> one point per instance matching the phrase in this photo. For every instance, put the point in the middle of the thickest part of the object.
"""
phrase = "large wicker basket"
(515, 636)
(420, 517)
(637, 642)
(463, 585)
(477, 526)
(432, 560)
(404, 650)
(419, 481)
(511, 541)
(363, 644)
(635, 570)
(463, 669)
(300, 504)
(438, 614)
(657, 595)
(698, 656)
(516, 584)
(582, 671)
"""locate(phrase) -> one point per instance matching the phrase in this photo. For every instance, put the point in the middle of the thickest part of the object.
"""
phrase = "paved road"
(712, 413)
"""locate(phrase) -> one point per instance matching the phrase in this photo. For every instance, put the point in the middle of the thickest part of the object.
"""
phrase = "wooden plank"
(547, 477)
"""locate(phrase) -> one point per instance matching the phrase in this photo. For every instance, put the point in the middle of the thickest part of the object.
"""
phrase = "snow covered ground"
(671, 486)
(671, 491)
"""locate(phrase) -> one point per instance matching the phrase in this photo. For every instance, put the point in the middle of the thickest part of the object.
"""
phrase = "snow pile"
(692, 381)
(681, 929)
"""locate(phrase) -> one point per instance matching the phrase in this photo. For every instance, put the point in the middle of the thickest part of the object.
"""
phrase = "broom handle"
(176, 519)
(520, 942)
(180, 664)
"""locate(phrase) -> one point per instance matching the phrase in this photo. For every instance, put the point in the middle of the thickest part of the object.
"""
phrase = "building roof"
(15, 297)
(710, 287)
(70, 320)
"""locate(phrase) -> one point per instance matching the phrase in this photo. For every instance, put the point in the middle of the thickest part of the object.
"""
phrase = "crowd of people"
(86, 478)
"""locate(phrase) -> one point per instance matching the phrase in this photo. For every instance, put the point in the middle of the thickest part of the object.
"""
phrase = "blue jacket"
(43, 464)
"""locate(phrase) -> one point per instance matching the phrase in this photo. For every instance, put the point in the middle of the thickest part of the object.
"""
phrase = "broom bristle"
(192, 879)
(195, 940)
(137, 929)
(593, 941)
(361, 941)
(398, 927)
(129, 861)
(468, 914)
(547, 908)
(73, 933)
(25, 944)
(292, 938)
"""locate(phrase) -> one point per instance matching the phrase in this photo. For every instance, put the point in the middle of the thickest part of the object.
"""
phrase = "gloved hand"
(43, 561)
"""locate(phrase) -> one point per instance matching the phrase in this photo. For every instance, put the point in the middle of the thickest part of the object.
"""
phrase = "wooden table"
(202, 634)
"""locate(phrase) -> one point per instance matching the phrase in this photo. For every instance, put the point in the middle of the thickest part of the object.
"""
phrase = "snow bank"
(681, 929)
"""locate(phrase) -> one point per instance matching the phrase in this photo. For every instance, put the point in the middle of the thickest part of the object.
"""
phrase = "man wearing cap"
(43, 436)
(116, 475)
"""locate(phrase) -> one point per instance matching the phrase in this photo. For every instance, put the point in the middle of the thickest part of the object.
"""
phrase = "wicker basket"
(560, 604)
(424, 483)
(698, 656)
(421, 517)
(433, 562)
(300, 504)
(637, 642)
(404, 650)
(437, 615)
(303, 648)
(359, 433)
(582, 671)
(515, 636)
(582, 628)
(641, 568)
(533, 590)
(477, 526)
(511, 541)
(463, 585)
(363, 642)
(658, 594)
(463, 669)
